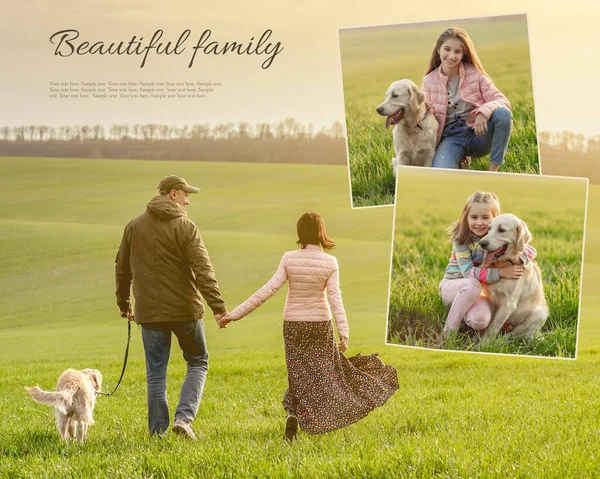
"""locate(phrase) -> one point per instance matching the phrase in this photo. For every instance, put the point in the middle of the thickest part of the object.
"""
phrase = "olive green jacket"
(163, 255)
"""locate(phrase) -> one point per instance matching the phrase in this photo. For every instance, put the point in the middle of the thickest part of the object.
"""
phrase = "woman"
(326, 390)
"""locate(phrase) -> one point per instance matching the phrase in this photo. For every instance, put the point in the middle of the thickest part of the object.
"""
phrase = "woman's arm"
(493, 97)
(264, 293)
(334, 296)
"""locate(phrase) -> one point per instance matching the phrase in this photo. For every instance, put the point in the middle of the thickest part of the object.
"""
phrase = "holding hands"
(223, 319)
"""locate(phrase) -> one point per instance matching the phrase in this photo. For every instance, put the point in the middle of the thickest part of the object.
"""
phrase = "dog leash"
(124, 362)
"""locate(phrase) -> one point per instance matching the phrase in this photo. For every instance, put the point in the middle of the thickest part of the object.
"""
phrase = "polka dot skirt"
(328, 391)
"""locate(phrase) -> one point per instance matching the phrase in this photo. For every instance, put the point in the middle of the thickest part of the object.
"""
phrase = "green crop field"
(455, 415)
(372, 58)
(554, 210)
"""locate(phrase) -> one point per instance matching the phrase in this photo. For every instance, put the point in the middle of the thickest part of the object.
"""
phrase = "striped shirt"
(467, 257)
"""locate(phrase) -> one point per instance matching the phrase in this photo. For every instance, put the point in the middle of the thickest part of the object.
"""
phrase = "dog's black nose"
(483, 244)
(379, 109)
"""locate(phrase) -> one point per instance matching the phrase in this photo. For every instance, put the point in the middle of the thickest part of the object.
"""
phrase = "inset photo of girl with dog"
(485, 262)
(450, 94)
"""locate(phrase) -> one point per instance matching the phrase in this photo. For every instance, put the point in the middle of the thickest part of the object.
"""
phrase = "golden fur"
(518, 305)
(73, 401)
(415, 130)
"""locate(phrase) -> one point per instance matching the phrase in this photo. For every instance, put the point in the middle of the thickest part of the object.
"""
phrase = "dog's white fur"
(73, 401)
(518, 305)
(414, 136)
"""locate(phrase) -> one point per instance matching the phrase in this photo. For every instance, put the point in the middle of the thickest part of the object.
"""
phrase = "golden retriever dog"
(415, 126)
(73, 401)
(518, 305)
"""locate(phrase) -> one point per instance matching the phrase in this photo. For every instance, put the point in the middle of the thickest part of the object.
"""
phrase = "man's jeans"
(459, 140)
(157, 348)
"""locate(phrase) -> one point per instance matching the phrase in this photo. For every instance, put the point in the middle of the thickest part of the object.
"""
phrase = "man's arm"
(204, 274)
(123, 274)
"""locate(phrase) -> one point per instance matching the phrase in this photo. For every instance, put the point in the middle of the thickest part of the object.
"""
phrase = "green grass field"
(455, 415)
(372, 58)
(554, 210)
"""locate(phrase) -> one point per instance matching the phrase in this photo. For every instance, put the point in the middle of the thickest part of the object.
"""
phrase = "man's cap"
(174, 182)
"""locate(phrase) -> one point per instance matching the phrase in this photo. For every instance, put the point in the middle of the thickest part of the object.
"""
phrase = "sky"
(303, 81)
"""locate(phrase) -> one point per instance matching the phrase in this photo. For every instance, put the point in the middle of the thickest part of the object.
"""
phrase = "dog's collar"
(424, 116)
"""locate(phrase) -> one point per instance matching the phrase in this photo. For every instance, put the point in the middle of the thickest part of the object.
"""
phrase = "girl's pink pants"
(466, 302)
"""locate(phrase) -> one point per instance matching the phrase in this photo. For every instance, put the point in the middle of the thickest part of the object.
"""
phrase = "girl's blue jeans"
(459, 140)
(157, 348)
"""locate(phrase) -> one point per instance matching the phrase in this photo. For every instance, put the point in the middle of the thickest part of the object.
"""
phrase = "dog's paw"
(465, 162)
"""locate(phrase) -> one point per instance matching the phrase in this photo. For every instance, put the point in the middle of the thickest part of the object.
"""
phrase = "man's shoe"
(291, 427)
(183, 429)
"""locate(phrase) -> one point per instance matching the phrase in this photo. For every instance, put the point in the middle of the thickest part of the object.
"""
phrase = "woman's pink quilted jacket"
(473, 87)
(314, 288)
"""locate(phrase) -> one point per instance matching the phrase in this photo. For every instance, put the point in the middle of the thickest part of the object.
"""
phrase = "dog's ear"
(523, 236)
(96, 378)
(416, 97)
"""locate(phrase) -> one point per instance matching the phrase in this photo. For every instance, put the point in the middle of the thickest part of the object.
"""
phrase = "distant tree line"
(287, 141)
(568, 140)
(288, 129)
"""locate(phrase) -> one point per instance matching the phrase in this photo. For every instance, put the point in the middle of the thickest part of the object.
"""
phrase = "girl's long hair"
(311, 230)
(469, 52)
(459, 230)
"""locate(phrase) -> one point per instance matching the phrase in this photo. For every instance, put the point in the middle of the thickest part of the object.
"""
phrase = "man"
(162, 253)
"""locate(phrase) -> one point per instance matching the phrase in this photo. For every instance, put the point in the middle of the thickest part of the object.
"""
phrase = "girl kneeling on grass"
(461, 286)
(473, 115)
(326, 390)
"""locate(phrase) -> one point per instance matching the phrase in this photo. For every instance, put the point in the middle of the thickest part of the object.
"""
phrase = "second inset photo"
(447, 94)
(486, 262)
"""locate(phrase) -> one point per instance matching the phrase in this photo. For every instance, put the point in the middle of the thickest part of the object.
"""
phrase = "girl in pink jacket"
(326, 390)
(473, 115)
(461, 288)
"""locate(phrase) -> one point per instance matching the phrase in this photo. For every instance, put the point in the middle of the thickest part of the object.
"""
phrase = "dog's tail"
(59, 399)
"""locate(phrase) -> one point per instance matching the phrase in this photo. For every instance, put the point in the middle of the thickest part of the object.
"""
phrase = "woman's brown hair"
(311, 230)
(469, 53)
